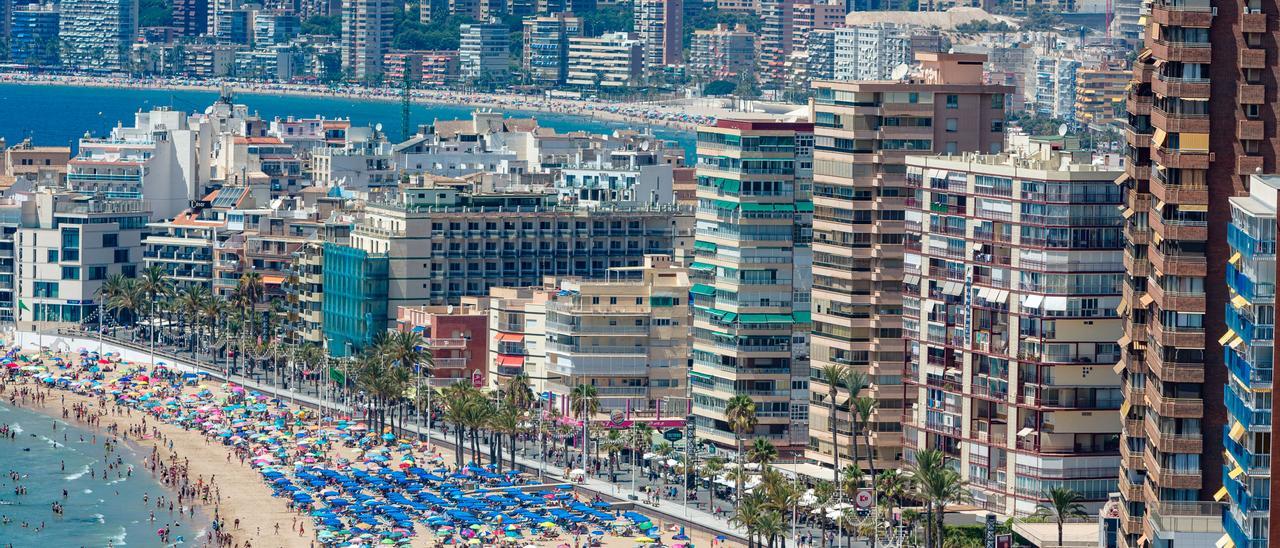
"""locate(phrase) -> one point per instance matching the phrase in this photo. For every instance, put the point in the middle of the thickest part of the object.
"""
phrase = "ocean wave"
(79, 474)
(88, 491)
(118, 540)
(51, 442)
(101, 518)
(16, 428)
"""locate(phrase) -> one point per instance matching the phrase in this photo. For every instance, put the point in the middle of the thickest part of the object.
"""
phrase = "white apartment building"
(612, 60)
(872, 52)
(68, 244)
(484, 53)
(365, 162)
(155, 162)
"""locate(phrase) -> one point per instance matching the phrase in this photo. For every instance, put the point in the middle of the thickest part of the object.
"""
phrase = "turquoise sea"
(97, 512)
(55, 115)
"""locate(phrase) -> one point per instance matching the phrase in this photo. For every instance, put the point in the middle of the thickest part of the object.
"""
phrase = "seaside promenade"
(673, 511)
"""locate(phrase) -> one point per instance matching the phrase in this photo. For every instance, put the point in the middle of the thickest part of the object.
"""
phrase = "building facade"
(659, 24)
(366, 37)
(862, 135)
(1203, 64)
(1013, 278)
(1249, 355)
(751, 290)
(722, 53)
(33, 35)
(611, 61)
(483, 53)
(546, 48)
(96, 34)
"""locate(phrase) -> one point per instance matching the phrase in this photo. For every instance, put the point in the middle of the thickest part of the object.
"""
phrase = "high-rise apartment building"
(627, 336)
(96, 34)
(722, 53)
(1249, 356)
(483, 53)
(751, 290)
(1100, 96)
(1198, 118)
(1055, 94)
(660, 26)
(863, 132)
(191, 17)
(777, 38)
(546, 47)
(873, 52)
(610, 61)
(366, 37)
(1013, 274)
(33, 35)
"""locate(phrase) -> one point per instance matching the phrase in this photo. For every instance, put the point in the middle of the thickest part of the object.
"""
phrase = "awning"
(1032, 301)
(1124, 408)
(1002, 297)
(1239, 301)
(766, 318)
(1122, 308)
(1226, 336)
(1025, 432)
(701, 266)
(1142, 540)
(510, 361)
(510, 337)
(1157, 138)
(911, 279)
(1194, 208)
(1236, 472)
(703, 289)
(1237, 431)
(1225, 541)
(953, 288)
(1118, 367)
(1058, 304)
(705, 246)
(984, 293)
(1124, 341)
(1128, 212)
(1218, 496)
(1235, 257)
(802, 317)
(417, 329)
(1193, 141)
(804, 206)
(1122, 178)
(1159, 205)
(1146, 300)
(1236, 342)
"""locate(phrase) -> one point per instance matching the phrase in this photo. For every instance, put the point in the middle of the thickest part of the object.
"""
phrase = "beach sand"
(244, 494)
(663, 114)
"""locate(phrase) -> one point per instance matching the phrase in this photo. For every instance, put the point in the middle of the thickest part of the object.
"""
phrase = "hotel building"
(1013, 274)
(863, 132)
(96, 34)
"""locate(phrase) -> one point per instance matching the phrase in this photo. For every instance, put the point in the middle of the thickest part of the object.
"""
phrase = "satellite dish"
(644, 145)
(1062, 130)
(378, 127)
(899, 72)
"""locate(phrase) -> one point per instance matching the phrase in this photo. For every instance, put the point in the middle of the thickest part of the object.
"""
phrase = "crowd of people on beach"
(672, 115)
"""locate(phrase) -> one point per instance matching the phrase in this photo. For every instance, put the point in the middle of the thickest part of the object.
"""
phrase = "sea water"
(97, 512)
(60, 115)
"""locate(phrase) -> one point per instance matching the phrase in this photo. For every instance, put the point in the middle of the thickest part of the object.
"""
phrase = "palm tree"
(833, 375)
(518, 391)
(929, 464)
(740, 411)
(454, 399)
(863, 407)
(612, 445)
(1064, 503)
(640, 439)
(938, 486)
(711, 469)
(770, 525)
(584, 400)
(508, 420)
(855, 381)
(762, 452)
(747, 516)
(122, 297)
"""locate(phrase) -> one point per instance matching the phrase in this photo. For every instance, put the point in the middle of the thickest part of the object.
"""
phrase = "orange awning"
(510, 361)
(272, 279)
(510, 337)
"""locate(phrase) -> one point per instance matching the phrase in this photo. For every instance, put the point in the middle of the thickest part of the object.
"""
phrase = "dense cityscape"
(940, 274)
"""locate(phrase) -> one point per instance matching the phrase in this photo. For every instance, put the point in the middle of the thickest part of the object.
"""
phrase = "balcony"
(1173, 443)
(1177, 264)
(1248, 165)
(1176, 336)
(1171, 478)
(1250, 130)
(1132, 460)
(1172, 86)
(1137, 235)
(1138, 104)
(1253, 22)
(1176, 300)
(1130, 491)
(1181, 16)
(1190, 517)
(1179, 193)
(1181, 159)
(1174, 229)
(1136, 171)
(1137, 139)
(1252, 94)
(1180, 408)
(1174, 122)
(1185, 52)
(1170, 371)
(1135, 266)
(1253, 58)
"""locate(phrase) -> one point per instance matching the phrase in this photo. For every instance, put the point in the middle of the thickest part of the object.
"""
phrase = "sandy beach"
(681, 116)
(243, 494)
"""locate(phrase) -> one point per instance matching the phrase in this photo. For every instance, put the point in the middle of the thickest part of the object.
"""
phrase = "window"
(997, 100)
(110, 240)
(952, 148)
(71, 273)
(98, 272)
(952, 123)
(997, 126)
(53, 256)
(129, 271)
(121, 256)
(953, 101)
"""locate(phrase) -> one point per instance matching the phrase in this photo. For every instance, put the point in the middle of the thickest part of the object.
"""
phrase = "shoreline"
(237, 500)
(640, 114)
